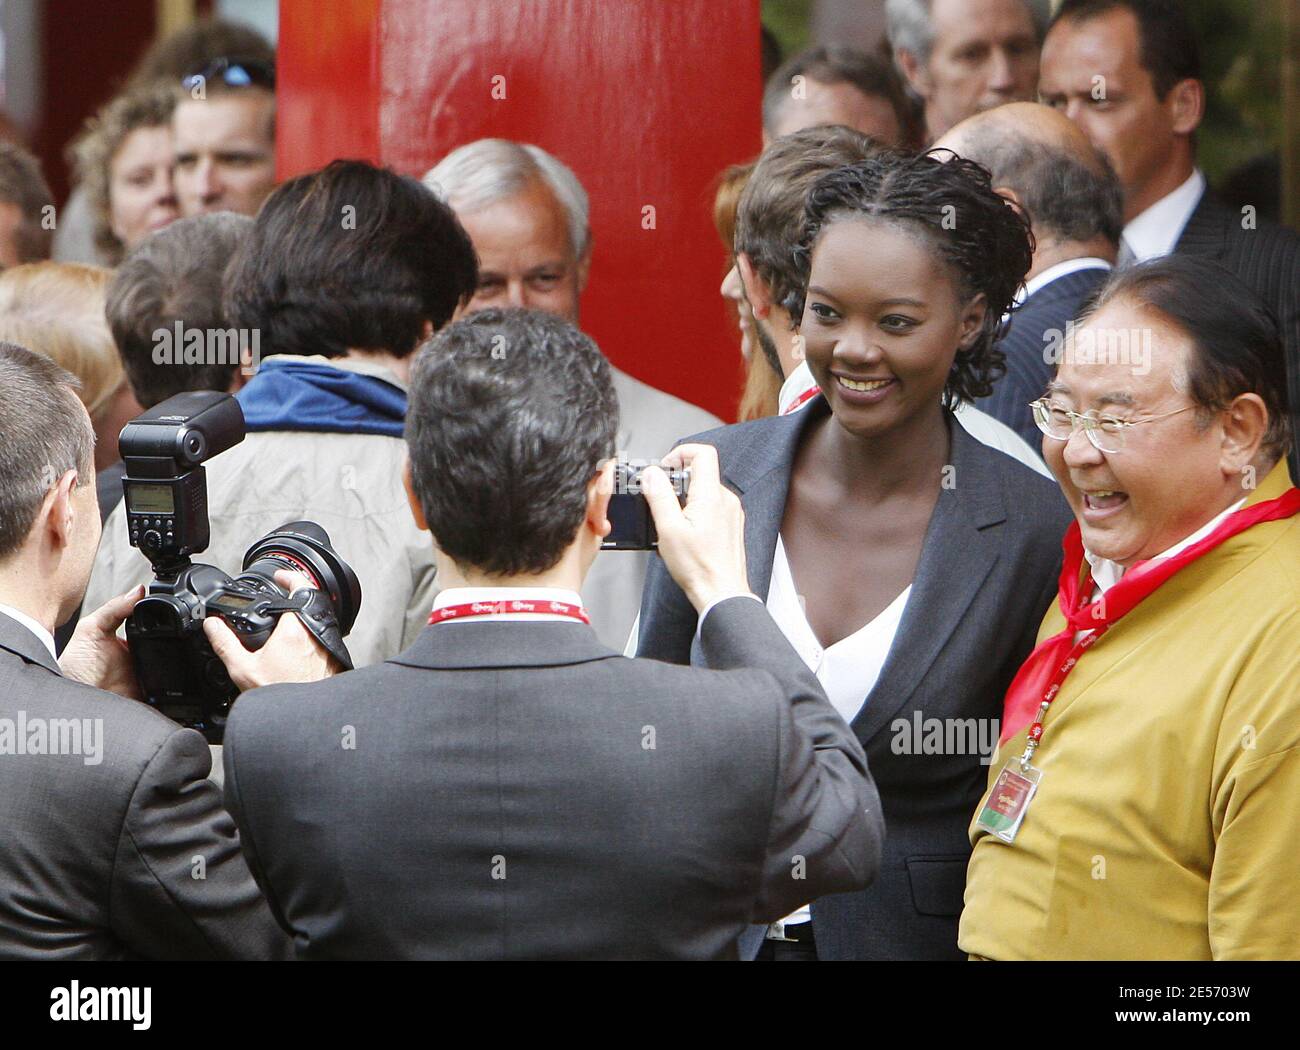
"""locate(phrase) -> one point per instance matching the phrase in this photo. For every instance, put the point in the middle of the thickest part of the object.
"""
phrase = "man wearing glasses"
(224, 129)
(1144, 799)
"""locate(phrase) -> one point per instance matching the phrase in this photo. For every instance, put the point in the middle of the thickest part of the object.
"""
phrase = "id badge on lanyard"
(1004, 809)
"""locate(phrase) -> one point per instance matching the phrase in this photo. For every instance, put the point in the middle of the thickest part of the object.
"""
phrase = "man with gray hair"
(528, 217)
(113, 841)
(1041, 162)
(964, 56)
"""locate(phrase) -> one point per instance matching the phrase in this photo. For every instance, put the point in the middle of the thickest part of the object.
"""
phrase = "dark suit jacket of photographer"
(519, 791)
(129, 858)
(987, 572)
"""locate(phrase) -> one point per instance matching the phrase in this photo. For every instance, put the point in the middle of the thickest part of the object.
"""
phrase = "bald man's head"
(1065, 185)
(1026, 121)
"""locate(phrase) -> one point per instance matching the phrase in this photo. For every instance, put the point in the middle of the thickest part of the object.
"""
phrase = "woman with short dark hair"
(908, 564)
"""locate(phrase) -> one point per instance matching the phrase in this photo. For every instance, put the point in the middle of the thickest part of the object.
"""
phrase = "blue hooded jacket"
(291, 394)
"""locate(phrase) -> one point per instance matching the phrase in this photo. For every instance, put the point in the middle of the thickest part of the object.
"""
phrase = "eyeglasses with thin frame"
(1107, 433)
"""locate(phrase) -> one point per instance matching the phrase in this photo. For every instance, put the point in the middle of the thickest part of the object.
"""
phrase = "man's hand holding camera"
(703, 543)
(96, 656)
(290, 655)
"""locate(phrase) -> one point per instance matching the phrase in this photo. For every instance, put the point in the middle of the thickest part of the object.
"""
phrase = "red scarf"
(1041, 675)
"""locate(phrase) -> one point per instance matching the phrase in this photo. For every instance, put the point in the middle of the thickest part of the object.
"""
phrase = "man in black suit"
(1045, 165)
(508, 787)
(113, 841)
(1128, 72)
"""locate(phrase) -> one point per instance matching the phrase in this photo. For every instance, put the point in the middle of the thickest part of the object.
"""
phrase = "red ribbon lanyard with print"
(1004, 809)
(801, 400)
(514, 607)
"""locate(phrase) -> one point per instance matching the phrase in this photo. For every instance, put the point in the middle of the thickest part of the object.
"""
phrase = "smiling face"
(140, 194)
(526, 256)
(883, 320)
(1169, 479)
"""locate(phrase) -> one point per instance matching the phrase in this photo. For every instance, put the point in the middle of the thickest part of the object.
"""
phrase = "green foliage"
(788, 21)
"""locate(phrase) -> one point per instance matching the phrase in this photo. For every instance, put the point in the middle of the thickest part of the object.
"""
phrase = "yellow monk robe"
(1167, 821)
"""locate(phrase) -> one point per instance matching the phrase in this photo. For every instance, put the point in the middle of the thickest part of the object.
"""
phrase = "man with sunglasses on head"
(1144, 799)
(224, 131)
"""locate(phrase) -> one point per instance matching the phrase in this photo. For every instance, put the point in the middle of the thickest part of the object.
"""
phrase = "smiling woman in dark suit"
(907, 563)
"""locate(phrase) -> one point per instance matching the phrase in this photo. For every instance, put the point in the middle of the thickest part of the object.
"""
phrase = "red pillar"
(646, 100)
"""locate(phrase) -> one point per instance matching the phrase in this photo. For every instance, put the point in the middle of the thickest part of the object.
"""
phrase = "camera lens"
(303, 546)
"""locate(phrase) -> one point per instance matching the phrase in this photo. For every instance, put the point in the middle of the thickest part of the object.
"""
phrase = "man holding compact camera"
(509, 787)
(114, 842)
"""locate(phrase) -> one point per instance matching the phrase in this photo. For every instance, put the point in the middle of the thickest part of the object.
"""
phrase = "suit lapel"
(958, 553)
(1205, 234)
(760, 474)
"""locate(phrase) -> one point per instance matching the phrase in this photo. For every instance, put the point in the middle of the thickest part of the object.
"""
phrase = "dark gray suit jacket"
(519, 791)
(988, 570)
(1267, 259)
(1024, 340)
(99, 861)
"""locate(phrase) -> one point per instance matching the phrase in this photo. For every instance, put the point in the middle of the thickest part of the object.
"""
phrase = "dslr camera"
(167, 515)
(632, 528)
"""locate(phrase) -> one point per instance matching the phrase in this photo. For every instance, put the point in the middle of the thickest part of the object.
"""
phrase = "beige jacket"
(350, 484)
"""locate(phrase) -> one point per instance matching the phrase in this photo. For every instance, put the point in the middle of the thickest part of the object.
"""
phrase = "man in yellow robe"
(1165, 820)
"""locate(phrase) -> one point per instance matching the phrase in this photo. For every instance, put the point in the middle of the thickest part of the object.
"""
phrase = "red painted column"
(647, 101)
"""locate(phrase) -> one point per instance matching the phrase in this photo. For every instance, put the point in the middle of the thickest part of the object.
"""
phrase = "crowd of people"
(976, 637)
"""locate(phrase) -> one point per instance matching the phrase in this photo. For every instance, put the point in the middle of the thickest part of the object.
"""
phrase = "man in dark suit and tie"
(1128, 72)
(1044, 164)
(508, 787)
(113, 841)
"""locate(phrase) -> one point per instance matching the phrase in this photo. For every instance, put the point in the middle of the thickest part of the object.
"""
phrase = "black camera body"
(166, 503)
(632, 525)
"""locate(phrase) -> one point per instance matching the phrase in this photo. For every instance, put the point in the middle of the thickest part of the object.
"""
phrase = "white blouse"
(848, 669)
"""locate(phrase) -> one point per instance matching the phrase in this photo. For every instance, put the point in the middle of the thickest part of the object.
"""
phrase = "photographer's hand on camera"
(96, 656)
(291, 654)
(703, 543)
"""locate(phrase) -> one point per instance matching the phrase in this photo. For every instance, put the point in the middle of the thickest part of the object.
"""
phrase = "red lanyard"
(802, 400)
(1054, 657)
(476, 610)
(1035, 734)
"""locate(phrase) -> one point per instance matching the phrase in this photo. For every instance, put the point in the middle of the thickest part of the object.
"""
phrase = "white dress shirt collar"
(494, 595)
(1061, 269)
(798, 382)
(1106, 573)
(37, 629)
(1156, 230)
